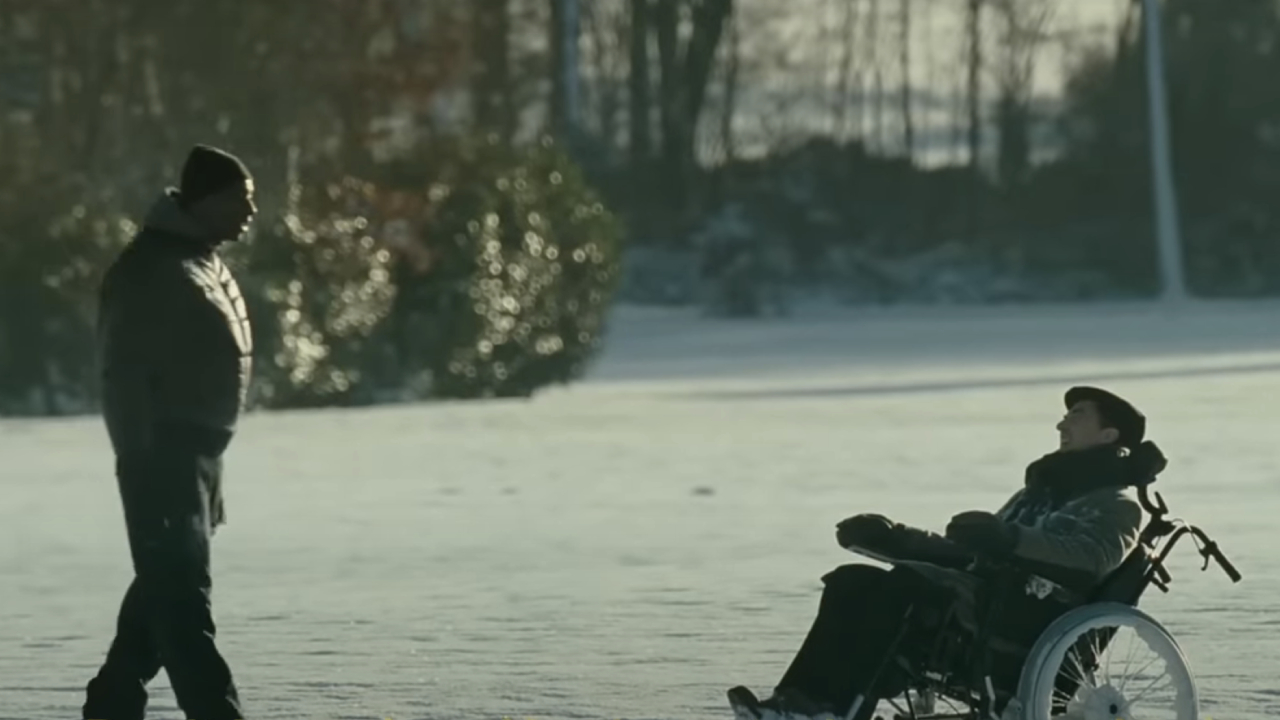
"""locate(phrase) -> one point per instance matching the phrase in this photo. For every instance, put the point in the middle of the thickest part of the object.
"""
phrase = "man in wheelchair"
(1076, 519)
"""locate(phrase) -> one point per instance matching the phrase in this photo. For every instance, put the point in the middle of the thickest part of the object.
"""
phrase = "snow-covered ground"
(630, 546)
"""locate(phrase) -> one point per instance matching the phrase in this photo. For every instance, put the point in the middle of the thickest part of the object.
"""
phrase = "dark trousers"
(166, 619)
(859, 616)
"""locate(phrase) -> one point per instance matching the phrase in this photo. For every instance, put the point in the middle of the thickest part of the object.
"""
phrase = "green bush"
(53, 254)
(525, 261)
(526, 265)
(317, 284)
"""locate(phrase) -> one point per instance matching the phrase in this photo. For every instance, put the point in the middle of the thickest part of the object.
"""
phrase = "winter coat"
(1079, 518)
(1078, 511)
(175, 342)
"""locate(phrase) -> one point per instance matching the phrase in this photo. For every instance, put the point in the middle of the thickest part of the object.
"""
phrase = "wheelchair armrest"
(911, 544)
(880, 554)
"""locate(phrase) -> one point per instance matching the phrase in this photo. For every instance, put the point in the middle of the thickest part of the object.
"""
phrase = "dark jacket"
(174, 335)
(1078, 515)
(1078, 511)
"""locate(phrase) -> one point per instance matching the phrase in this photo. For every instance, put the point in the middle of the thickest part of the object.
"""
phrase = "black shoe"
(794, 703)
(745, 704)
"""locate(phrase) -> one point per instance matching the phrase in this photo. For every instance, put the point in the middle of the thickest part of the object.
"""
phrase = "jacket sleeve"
(924, 546)
(1093, 533)
(130, 324)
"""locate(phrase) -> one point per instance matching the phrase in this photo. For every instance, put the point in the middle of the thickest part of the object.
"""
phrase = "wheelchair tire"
(1097, 695)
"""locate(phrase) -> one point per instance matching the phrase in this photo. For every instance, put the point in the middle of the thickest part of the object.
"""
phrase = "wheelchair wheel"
(1107, 661)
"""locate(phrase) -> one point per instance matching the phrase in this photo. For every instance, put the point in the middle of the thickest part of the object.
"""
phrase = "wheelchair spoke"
(1141, 670)
(1123, 685)
(1082, 676)
(1128, 659)
(1095, 652)
(1105, 665)
(1147, 689)
(1063, 697)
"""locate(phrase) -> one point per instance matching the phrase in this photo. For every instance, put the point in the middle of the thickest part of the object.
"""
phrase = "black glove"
(983, 533)
(867, 530)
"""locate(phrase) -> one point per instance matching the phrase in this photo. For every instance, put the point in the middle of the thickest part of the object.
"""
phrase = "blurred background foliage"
(453, 193)
(399, 254)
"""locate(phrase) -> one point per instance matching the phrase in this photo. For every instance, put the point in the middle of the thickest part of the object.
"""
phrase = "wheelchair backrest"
(1126, 583)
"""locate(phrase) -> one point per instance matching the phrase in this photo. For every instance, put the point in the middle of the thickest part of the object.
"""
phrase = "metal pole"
(1165, 196)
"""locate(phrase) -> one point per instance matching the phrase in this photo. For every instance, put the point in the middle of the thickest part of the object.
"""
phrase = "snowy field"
(631, 546)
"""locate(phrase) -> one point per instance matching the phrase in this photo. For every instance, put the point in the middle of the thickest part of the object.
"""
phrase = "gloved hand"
(983, 532)
(868, 529)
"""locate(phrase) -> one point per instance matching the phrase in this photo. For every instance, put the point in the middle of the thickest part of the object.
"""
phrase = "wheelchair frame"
(1125, 585)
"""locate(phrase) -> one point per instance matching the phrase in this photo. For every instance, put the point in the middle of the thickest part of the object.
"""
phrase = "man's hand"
(867, 529)
(983, 532)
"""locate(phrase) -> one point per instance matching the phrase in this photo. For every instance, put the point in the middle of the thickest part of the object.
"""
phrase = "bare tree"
(685, 71)
(607, 28)
(877, 73)
(640, 102)
(491, 79)
(847, 70)
(566, 28)
(933, 85)
(973, 35)
(733, 63)
(1025, 30)
(904, 46)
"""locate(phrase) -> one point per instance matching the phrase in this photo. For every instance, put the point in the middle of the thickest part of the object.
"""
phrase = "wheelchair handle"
(1210, 551)
(1152, 502)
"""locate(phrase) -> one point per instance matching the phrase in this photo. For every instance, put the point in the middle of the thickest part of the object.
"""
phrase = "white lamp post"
(1166, 200)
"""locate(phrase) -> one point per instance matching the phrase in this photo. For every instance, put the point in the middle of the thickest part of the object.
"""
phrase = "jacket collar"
(1065, 475)
(166, 216)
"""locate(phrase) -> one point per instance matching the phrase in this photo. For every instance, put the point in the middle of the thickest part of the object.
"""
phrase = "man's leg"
(118, 692)
(858, 619)
(847, 592)
(170, 533)
(184, 629)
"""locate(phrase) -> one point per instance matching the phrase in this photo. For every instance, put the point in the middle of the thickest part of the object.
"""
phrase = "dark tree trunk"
(492, 79)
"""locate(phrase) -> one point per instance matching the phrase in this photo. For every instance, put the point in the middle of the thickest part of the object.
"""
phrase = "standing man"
(175, 350)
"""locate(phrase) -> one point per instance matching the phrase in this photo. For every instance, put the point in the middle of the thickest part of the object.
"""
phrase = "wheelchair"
(1063, 671)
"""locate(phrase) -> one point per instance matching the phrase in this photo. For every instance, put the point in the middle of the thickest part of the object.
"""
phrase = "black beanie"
(207, 171)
